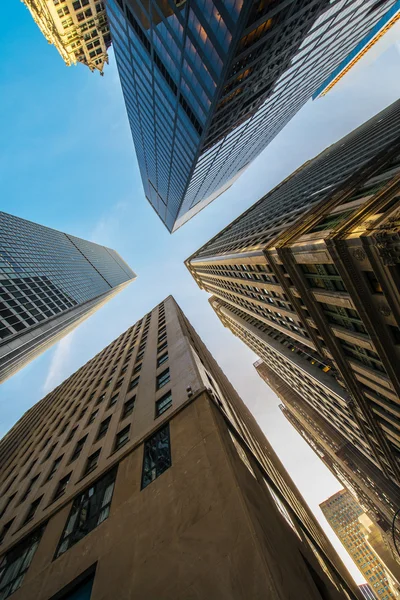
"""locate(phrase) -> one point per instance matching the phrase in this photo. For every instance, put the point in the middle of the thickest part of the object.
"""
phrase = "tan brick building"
(143, 475)
(343, 514)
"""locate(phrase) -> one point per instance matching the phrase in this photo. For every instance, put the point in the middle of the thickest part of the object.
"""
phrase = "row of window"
(89, 509)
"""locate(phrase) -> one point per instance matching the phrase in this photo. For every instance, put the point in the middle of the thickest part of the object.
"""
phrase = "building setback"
(77, 28)
(308, 278)
(366, 591)
(143, 475)
(209, 83)
(49, 283)
(343, 513)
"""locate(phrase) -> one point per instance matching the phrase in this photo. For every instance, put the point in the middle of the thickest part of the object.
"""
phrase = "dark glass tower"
(209, 83)
(49, 283)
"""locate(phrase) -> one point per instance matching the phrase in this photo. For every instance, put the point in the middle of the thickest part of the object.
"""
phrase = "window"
(121, 438)
(16, 562)
(103, 428)
(133, 383)
(71, 434)
(373, 282)
(140, 356)
(162, 337)
(161, 359)
(32, 510)
(5, 529)
(128, 407)
(113, 400)
(108, 382)
(163, 404)
(54, 468)
(100, 399)
(62, 486)
(93, 416)
(89, 509)
(78, 449)
(163, 379)
(395, 333)
(156, 456)
(29, 487)
(162, 347)
(91, 462)
(137, 368)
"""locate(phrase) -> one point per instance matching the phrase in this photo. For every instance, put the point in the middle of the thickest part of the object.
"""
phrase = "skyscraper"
(366, 591)
(377, 495)
(143, 475)
(208, 84)
(77, 28)
(49, 283)
(308, 278)
(343, 513)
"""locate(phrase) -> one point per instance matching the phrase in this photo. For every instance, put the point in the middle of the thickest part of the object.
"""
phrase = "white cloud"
(58, 363)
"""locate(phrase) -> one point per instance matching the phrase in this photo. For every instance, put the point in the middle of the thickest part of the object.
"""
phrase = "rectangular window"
(71, 434)
(5, 529)
(100, 399)
(93, 416)
(128, 407)
(161, 338)
(137, 368)
(133, 383)
(32, 510)
(103, 428)
(89, 509)
(163, 379)
(121, 438)
(78, 449)
(140, 356)
(54, 468)
(91, 462)
(162, 359)
(373, 282)
(113, 400)
(16, 562)
(163, 404)
(62, 486)
(156, 456)
(162, 347)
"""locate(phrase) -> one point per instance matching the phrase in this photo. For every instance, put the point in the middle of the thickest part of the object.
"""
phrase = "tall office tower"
(366, 591)
(77, 28)
(387, 21)
(50, 282)
(342, 513)
(377, 495)
(308, 277)
(143, 475)
(208, 84)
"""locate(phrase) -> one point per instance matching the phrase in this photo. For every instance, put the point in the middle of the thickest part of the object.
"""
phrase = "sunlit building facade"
(208, 84)
(308, 279)
(78, 29)
(343, 513)
(49, 283)
(143, 475)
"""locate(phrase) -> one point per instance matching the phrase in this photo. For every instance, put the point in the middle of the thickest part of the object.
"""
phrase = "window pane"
(163, 404)
(156, 456)
(87, 508)
(16, 562)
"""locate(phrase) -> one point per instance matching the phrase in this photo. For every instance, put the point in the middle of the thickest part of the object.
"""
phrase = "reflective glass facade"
(209, 83)
(48, 281)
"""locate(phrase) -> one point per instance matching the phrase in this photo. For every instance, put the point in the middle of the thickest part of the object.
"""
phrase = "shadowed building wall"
(143, 475)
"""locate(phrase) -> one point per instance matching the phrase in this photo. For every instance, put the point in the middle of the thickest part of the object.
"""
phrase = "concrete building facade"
(209, 83)
(77, 28)
(308, 278)
(143, 475)
(49, 283)
(343, 513)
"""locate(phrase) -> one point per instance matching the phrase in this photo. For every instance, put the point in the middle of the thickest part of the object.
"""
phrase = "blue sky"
(67, 161)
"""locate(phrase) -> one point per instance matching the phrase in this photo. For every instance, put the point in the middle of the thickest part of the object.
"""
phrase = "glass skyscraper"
(209, 83)
(49, 283)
